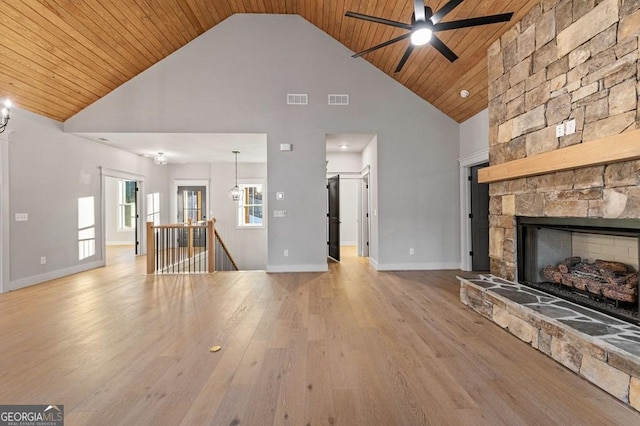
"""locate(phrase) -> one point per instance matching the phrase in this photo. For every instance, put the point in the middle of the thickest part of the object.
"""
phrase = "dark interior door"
(333, 189)
(479, 221)
(137, 215)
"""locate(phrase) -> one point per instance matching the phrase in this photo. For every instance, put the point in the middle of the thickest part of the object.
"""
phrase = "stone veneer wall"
(566, 59)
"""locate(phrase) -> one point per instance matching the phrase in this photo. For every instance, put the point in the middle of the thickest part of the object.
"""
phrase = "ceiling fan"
(423, 25)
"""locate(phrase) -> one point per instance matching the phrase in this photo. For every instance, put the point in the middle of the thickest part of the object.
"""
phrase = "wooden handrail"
(226, 250)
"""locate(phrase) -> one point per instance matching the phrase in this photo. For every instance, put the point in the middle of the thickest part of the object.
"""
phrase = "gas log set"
(613, 280)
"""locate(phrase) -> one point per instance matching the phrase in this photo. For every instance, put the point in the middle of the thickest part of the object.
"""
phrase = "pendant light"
(236, 191)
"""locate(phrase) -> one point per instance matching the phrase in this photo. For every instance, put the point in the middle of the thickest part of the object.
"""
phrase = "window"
(86, 228)
(153, 208)
(126, 205)
(250, 206)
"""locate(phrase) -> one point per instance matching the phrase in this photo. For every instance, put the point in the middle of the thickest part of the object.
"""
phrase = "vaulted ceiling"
(59, 56)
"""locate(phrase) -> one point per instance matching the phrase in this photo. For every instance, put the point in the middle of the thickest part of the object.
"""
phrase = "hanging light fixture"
(160, 158)
(236, 191)
(5, 114)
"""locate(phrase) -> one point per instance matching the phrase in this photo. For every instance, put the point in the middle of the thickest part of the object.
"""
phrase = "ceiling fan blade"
(473, 22)
(405, 57)
(418, 6)
(442, 48)
(381, 45)
(444, 10)
(379, 20)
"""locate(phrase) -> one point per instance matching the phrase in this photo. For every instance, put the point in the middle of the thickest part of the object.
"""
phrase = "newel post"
(151, 249)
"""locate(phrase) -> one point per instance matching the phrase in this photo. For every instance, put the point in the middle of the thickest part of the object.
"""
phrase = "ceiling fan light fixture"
(421, 36)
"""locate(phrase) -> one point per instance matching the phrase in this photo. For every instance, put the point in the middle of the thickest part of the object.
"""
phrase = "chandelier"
(5, 114)
(160, 158)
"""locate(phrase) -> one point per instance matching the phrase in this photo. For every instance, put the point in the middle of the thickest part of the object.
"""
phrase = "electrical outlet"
(559, 130)
(411, 251)
(286, 253)
(570, 127)
(22, 217)
(43, 260)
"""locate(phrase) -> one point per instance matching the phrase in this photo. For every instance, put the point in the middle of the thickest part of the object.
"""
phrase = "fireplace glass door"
(593, 262)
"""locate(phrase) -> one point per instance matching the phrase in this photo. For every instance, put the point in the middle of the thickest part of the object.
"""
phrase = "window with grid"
(251, 206)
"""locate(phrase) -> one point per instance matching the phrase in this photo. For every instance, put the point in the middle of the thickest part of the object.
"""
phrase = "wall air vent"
(338, 99)
(297, 99)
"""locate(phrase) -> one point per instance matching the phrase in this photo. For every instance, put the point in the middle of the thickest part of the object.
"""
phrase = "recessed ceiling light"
(464, 93)
(344, 146)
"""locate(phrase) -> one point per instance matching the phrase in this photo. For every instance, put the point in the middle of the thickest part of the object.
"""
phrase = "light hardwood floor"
(352, 346)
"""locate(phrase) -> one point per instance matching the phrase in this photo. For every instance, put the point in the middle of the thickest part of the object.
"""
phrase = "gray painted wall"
(48, 171)
(235, 78)
(474, 134)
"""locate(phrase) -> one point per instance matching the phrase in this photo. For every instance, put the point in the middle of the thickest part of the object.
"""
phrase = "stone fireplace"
(565, 60)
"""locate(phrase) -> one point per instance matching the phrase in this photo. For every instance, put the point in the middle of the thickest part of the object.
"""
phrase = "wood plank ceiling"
(59, 56)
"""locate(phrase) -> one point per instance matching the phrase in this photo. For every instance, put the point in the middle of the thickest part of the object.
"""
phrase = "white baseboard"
(323, 267)
(429, 266)
(37, 279)
(348, 243)
(120, 243)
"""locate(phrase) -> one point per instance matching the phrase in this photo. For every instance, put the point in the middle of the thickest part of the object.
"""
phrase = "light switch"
(279, 195)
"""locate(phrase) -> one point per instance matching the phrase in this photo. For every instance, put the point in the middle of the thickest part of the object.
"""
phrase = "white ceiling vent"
(297, 99)
(338, 99)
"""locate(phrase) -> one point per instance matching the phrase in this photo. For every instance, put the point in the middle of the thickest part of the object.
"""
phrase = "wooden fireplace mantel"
(611, 149)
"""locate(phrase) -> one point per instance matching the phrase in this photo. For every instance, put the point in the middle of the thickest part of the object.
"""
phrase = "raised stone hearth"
(603, 350)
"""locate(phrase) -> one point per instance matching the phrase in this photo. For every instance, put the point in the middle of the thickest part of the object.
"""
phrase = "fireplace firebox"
(590, 261)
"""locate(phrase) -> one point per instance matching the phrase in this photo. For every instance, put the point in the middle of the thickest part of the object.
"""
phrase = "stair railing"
(186, 249)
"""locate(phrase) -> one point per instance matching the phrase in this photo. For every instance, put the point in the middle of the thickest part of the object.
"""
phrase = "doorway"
(364, 217)
(479, 217)
(121, 205)
(123, 210)
(192, 202)
(333, 217)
